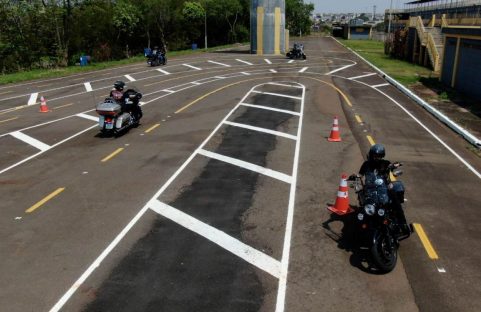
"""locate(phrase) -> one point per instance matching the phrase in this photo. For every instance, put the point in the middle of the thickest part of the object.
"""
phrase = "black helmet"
(377, 151)
(119, 85)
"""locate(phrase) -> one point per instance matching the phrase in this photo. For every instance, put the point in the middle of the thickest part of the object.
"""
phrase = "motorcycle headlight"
(369, 209)
(360, 216)
(381, 212)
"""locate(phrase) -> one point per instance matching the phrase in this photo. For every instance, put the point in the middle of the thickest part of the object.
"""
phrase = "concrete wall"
(268, 20)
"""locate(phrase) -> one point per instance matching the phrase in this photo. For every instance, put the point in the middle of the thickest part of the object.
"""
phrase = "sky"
(354, 6)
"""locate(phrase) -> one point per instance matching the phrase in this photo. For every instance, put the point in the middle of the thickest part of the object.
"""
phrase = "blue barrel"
(194, 46)
(147, 51)
(83, 61)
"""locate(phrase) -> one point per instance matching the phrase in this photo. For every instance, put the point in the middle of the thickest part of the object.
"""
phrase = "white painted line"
(279, 94)
(163, 71)
(245, 74)
(268, 61)
(33, 99)
(283, 85)
(281, 293)
(303, 69)
(88, 86)
(281, 134)
(272, 109)
(362, 76)
(119, 237)
(89, 117)
(29, 140)
(291, 61)
(61, 302)
(245, 62)
(129, 77)
(196, 83)
(471, 168)
(221, 64)
(193, 67)
(273, 70)
(339, 69)
(238, 248)
(246, 165)
(381, 85)
(168, 91)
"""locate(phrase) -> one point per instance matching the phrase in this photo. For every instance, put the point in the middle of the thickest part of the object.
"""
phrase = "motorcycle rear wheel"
(384, 252)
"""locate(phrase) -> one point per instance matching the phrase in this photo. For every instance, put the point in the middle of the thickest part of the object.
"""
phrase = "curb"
(457, 128)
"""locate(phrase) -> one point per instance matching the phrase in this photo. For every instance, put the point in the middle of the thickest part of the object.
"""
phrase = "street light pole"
(390, 18)
(205, 24)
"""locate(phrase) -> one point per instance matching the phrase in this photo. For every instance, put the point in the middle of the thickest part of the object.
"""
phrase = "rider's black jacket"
(382, 167)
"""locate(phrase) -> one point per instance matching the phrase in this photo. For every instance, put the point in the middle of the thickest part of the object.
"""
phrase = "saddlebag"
(398, 190)
(122, 120)
(108, 108)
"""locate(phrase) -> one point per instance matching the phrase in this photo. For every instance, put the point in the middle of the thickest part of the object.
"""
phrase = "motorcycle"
(380, 214)
(115, 116)
(297, 52)
(156, 59)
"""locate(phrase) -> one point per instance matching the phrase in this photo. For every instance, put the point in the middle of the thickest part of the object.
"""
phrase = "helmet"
(119, 85)
(376, 152)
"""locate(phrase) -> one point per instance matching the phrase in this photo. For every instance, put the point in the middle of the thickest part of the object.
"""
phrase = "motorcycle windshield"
(376, 191)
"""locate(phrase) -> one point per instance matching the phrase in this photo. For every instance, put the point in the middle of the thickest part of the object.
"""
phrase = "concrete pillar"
(268, 21)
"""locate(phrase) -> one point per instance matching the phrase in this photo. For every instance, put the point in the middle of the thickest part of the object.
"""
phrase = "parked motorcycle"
(156, 59)
(297, 52)
(380, 215)
(115, 116)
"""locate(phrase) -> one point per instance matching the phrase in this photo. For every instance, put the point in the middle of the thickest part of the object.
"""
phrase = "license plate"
(109, 126)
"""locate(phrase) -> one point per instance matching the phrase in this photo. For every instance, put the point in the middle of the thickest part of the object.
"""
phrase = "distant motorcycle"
(297, 52)
(115, 116)
(156, 59)
(379, 216)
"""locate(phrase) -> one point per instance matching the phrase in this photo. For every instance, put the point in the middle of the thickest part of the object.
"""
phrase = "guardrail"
(434, 53)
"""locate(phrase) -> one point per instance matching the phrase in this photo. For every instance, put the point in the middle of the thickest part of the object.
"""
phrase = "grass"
(66, 71)
(373, 51)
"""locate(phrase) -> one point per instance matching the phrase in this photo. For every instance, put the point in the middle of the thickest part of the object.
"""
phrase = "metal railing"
(446, 4)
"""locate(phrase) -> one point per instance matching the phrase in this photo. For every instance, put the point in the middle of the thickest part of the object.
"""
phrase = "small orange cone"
(335, 135)
(341, 207)
(43, 105)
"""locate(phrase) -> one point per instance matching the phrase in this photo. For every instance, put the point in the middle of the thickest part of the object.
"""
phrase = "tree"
(298, 16)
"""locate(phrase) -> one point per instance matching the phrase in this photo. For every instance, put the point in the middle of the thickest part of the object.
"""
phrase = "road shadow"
(350, 240)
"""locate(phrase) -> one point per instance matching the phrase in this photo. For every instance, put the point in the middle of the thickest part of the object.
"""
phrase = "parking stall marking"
(273, 132)
(279, 94)
(246, 165)
(245, 62)
(303, 69)
(238, 248)
(31, 141)
(129, 77)
(163, 71)
(267, 61)
(362, 76)
(88, 86)
(33, 99)
(221, 64)
(381, 85)
(273, 71)
(89, 117)
(191, 66)
(272, 109)
(261, 260)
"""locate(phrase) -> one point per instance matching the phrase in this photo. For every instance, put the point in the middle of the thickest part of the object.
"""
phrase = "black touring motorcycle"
(380, 215)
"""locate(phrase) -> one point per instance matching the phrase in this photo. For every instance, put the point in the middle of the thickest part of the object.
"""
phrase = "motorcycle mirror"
(397, 173)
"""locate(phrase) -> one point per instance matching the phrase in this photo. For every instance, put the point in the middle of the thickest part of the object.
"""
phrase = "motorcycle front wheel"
(384, 252)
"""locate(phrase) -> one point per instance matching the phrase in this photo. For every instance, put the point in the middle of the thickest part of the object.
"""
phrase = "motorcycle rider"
(121, 97)
(117, 92)
(376, 163)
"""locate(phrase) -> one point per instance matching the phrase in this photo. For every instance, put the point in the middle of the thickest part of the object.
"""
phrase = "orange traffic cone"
(335, 135)
(43, 105)
(341, 207)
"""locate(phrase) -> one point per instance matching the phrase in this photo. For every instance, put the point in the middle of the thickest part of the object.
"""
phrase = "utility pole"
(205, 24)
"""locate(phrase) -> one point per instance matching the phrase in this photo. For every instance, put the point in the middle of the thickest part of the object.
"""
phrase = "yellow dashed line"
(46, 199)
(8, 119)
(370, 139)
(113, 154)
(358, 118)
(5, 92)
(426, 243)
(65, 105)
(152, 128)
